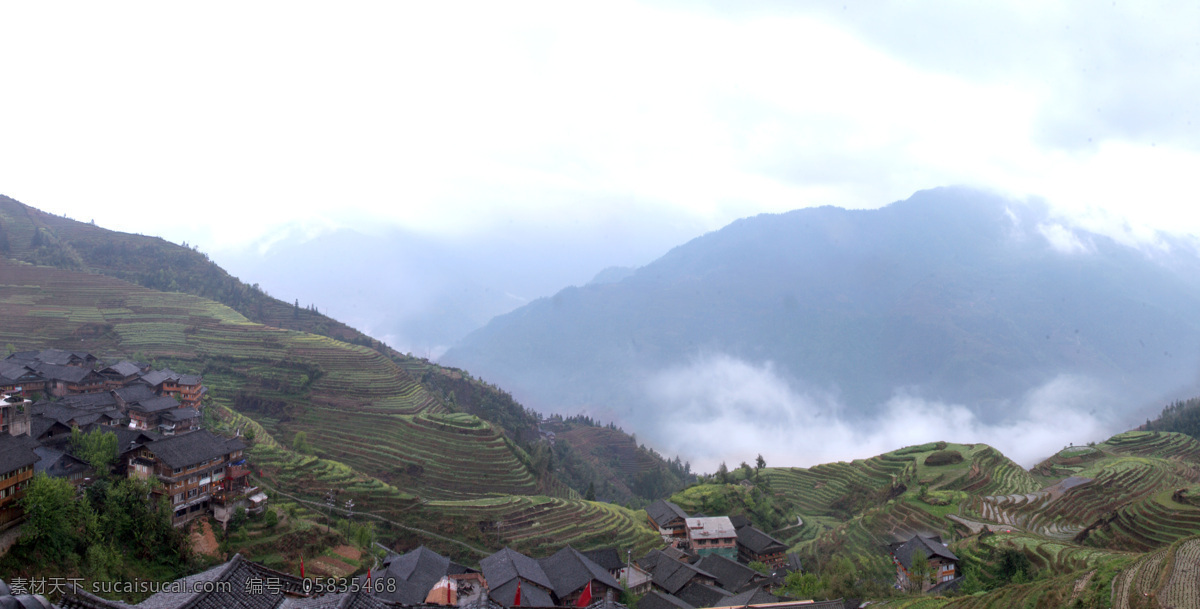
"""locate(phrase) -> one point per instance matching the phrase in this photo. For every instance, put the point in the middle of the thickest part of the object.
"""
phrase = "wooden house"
(669, 519)
(755, 545)
(17, 458)
(66, 380)
(573, 575)
(943, 564)
(191, 468)
(120, 374)
(508, 572)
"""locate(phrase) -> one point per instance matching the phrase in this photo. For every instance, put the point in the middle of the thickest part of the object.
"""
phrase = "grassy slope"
(1075, 541)
(290, 381)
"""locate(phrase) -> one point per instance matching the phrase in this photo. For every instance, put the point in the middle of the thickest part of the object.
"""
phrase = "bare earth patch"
(348, 552)
(330, 566)
(203, 539)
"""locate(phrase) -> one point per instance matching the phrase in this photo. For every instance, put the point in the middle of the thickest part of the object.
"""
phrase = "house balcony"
(230, 496)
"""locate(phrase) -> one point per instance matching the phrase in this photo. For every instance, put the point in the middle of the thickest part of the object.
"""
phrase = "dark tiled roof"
(608, 558)
(414, 575)
(181, 414)
(739, 521)
(123, 368)
(16, 452)
(155, 378)
(569, 571)
(656, 599)
(22, 356)
(949, 586)
(508, 564)
(56, 410)
(126, 437)
(190, 379)
(191, 448)
(56, 463)
(91, 417)
(60, 357)
(702, 595)
(925, 546)
(91, 401)
(650, 560)
(237, 572)
(531, 595)
(793, 562)
(69, 374)
(40, 424)
(759, 542)
(155, 404)
(135, 393)
(731, 575)
(663, 512)
(679, 554)
(673, 575)
(13, 370)
(755, 596)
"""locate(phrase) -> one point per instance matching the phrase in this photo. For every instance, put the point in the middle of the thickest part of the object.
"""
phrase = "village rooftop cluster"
(155, 415)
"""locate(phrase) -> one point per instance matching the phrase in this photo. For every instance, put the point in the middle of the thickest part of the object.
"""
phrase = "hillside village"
(1095, 503)
(155, 415)
(52, 395)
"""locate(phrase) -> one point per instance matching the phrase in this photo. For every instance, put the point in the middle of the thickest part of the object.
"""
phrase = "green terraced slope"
(1128, 504)
(356, 405)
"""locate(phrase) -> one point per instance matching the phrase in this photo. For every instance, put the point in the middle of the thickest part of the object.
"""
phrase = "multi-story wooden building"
(184, 387)
(66, 380)
(755, 545)
(17, 457)
(121, 374)
(191, 467)
(669, 519)
(942, 563)
(20, 379)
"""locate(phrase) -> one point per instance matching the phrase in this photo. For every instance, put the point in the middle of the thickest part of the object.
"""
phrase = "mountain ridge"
(957, 295)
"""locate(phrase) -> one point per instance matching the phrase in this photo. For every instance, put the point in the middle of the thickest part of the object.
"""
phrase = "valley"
(432, 456)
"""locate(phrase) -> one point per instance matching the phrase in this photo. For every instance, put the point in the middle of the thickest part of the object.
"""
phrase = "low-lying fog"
(720, 408)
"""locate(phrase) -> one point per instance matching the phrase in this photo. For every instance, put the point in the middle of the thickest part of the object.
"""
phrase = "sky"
(585, 135)
(232, 125)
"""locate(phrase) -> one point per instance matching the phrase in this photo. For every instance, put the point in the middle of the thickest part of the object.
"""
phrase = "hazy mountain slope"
(952, 294)
(30, 235)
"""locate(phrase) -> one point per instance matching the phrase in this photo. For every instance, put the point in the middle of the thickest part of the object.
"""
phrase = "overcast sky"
(216, 123)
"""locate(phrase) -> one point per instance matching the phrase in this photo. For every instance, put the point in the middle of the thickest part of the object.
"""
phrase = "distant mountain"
(423, 292)
(952, 295)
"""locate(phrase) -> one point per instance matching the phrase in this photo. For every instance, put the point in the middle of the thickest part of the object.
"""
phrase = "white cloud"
(720, 408)
(1063, 239)
(462, 118)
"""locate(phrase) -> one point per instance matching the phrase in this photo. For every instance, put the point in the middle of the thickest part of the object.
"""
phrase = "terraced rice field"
(534, 524)
(437, 456)
(355, 404)
(542, 525)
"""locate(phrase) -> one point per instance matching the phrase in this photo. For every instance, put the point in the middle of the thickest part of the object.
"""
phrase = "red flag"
(301, 567)
(585, 599)
(517, 598)
(368, 573)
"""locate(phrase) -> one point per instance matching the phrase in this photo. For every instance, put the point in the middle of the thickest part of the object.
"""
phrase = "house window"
(178, 497)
